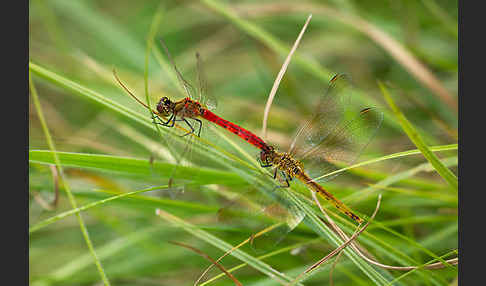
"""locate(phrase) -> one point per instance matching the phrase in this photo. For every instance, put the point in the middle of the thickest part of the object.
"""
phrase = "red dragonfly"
(193, 108)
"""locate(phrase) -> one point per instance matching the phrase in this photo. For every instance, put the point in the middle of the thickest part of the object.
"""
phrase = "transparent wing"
(181, 142)
(344, 145)
(336, 134)
(205, 96)
(262, 208)
(186, 86)
(329, 112)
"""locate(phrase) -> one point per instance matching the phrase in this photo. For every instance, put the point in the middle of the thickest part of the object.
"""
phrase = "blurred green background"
(410, 46)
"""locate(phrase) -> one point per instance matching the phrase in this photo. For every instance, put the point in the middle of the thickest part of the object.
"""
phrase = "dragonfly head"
(165, 106)
(267, 155)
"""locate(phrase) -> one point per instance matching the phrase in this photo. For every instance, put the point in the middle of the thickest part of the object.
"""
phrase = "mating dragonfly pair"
(333, 135)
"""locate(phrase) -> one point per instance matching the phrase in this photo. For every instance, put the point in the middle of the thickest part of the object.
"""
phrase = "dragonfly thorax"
(188, 108)
(286, 163)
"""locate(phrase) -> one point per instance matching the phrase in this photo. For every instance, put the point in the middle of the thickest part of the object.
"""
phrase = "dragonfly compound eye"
(265, 157)
(164, 106)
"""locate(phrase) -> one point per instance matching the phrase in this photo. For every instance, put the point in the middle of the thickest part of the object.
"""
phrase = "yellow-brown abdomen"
(328, 196)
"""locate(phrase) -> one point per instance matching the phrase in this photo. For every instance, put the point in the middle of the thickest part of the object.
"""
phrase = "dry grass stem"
(250, 239)
(279, 77)
(333, 266)
(210, 259)
(348, 241)
(356, 247)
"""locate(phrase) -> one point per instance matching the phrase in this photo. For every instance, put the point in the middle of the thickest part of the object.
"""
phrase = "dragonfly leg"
(200, 126)
(173, 118)
(190, 126)
(154, 117)
(264, 164)
(167, 123)
(287, 178)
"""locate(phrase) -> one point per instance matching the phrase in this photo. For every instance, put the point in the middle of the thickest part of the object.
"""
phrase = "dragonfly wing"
(182, 154)
(344, 145)
(186, 86)
(294, 217)
(205, 97)
(182, 143)
(262, 209)
(337, 132)
(329, 112)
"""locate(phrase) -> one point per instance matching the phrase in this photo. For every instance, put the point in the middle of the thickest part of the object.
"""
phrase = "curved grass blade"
(224, 246)
(391, 156)
(71, 198)
(60, 216)
(105, 31)
(210, 259)
(425, 167)
(134, 166)
(80, 90)
(82, 262)
(409, 129)
(418, 268)
(396, 50)
(150, 40)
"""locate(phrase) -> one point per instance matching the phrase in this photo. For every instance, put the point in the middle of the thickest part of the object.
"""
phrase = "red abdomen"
(240, 131)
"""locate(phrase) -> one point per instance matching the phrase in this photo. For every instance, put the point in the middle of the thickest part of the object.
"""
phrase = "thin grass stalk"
(65, 183)
(411, 132)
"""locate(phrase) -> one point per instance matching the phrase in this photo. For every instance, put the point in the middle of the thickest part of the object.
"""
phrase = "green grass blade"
(150, 40)
(135, 166)
(104, 30)
(418, 268)
(268, 39)
(105, 251)
(449, 23)
(147, 201)
(224, 246)
(60, 216)
(270, 254)
(425, 167)
(409, 129)
(59, 168)
(84, 92)
(391, 156)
